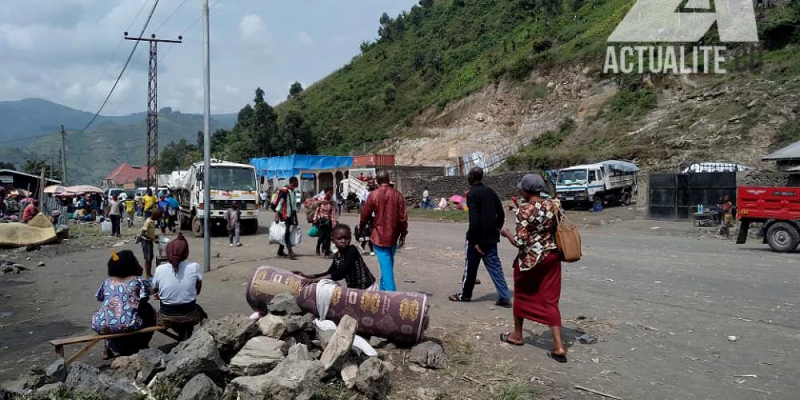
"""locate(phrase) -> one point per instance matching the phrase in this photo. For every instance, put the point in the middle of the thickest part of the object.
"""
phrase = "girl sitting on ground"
(125, 306)
(347, 264)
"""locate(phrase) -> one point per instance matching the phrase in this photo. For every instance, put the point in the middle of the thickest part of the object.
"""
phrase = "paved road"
(662, 304)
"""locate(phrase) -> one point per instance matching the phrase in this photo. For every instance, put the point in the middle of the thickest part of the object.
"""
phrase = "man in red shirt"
(30, 211)
(389, 228)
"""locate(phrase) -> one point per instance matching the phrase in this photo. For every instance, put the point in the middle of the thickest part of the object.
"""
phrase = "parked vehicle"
(229, 182)
(777, 208)
(598, 184)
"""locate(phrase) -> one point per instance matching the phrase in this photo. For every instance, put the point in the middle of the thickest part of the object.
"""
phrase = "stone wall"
(445, 186)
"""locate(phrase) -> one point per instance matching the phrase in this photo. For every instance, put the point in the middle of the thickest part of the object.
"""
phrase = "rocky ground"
(661, 299)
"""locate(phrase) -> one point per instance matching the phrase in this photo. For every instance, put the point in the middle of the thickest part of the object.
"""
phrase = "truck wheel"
(197, 226)
(250, 227)
(783, 237)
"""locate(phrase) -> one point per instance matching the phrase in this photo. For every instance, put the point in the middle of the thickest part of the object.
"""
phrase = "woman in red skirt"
(537, 268)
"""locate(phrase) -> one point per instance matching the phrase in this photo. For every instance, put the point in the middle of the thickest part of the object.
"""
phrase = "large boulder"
(141, 366)
(290, 380)
(198, 355)
(121, 389)
(373, 378)
(201, 387)
(57, 371)
(29, 381)
(46, 390)
(84, 379)
(272, 326)
(296, 323)
(231, 333)
(299, 352)
(349, 374)
(259, 356)
(284, 304)
(339, 345)
(429, 355)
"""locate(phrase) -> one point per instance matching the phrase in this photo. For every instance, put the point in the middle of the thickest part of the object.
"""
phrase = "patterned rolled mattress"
(397, 316)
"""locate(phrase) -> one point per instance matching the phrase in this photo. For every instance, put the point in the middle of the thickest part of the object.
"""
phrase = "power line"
(147, 22)
(170, 16)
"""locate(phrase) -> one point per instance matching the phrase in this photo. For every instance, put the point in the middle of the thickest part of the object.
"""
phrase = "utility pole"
(206, 140)
(152, 104)
(63, 156)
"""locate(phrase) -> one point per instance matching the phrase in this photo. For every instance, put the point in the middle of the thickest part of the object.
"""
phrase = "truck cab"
(597, 184)
(777, 209)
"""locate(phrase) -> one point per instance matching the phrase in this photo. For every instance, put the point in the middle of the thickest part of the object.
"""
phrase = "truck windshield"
(229, 179)
(570, 177)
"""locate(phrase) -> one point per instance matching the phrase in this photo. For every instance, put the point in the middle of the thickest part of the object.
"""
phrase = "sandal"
(458, 298)
(561, 358)
(504, 338)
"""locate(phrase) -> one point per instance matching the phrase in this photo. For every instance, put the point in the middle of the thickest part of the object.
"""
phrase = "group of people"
(126, 294)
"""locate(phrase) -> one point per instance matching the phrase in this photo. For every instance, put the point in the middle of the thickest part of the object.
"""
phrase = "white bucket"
(105, 227)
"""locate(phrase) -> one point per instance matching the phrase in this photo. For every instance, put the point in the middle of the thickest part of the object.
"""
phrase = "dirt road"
(661, 302)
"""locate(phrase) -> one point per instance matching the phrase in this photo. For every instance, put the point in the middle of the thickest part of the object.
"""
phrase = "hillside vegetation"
(441, 51)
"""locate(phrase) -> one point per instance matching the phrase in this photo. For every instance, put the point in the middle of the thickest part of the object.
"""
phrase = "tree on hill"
(7, 165)
(178, 156)
(296, 134)
(34, 167)
(295, 90)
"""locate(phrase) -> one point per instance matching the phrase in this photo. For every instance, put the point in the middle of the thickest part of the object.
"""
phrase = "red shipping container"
(376, 160)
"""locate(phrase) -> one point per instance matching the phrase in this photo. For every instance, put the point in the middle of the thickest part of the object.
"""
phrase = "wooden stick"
(467, 378)
(598, 393)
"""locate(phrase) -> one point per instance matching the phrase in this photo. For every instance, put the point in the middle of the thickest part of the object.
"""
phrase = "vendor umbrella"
(80, 189)
(55, 189)
(456, 198)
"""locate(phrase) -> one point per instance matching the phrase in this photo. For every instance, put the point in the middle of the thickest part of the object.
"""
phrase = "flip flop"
(504, 338)
(561, 358)
(458, 298)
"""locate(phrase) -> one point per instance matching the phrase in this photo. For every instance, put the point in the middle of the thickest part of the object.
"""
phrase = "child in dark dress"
(347, 264)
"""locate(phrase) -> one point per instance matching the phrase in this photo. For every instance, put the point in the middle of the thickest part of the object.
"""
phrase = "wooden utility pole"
(63, 156)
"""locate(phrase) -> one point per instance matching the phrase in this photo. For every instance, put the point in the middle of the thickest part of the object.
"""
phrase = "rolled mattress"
(398, 316)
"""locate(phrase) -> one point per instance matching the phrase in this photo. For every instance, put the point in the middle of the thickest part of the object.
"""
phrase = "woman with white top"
(176, 285)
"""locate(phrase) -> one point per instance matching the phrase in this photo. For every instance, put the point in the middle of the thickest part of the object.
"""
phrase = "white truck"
(230, 182)
(606, 182)
(354, 187)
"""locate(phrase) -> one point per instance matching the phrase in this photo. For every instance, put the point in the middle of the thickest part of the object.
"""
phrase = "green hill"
(442, 51)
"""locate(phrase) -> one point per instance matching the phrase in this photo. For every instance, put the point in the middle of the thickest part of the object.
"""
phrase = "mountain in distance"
(91, 155)
(34, 116)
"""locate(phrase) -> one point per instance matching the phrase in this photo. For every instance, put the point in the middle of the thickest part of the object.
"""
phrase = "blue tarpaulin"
(289, 166)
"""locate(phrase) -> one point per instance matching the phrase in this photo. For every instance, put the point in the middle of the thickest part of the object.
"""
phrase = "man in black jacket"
(486, 219)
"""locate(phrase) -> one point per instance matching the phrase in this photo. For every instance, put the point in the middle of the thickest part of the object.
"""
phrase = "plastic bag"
(277, 232)
(313, 232)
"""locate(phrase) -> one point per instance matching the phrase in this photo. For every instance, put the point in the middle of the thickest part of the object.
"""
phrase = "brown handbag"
(568, 239)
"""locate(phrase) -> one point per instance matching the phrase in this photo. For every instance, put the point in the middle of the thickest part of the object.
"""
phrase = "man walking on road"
(285, 206)
(486, 219)
(390, 226)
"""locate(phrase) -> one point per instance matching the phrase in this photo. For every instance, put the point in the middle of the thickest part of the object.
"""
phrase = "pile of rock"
(281, 357)
(8, 268)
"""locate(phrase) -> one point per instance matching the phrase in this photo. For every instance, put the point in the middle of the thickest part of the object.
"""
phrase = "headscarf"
(177, 251)
(123, 264)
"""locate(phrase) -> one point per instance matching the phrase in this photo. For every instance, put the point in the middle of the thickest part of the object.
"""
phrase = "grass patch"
(630, 104)
(515, 391)
(541, 153)
(535, 91)
(439, 215)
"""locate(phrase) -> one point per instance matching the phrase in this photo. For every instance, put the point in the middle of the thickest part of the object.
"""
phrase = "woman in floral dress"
(537, 268)
(125, 308)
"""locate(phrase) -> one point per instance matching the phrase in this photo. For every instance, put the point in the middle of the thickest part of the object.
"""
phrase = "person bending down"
(347, 264)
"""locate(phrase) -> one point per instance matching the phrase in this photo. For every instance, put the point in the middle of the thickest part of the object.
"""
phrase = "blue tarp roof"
(289, 166)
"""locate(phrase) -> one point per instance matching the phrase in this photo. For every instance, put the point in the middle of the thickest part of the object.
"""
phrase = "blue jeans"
(386, 260)
(493, 266)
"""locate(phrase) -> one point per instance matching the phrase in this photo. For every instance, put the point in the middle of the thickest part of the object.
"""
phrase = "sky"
(71, 51)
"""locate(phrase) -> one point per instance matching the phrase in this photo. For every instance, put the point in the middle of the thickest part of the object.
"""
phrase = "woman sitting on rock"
(177, 285)
(347, 264)
(125, 306)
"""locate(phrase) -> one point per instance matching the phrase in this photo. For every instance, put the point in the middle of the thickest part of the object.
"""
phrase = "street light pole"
(206, 141)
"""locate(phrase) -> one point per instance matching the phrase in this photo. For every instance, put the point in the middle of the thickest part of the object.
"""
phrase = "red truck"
(778, 208)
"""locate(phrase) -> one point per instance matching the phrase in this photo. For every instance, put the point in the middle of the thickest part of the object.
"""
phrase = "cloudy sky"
(71, 51)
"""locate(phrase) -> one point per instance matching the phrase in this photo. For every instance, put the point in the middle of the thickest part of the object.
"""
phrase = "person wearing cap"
(486, 219)
(537, 268)
(125, 307)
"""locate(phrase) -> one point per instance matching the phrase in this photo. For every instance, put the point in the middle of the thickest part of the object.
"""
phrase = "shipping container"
(376, 160)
